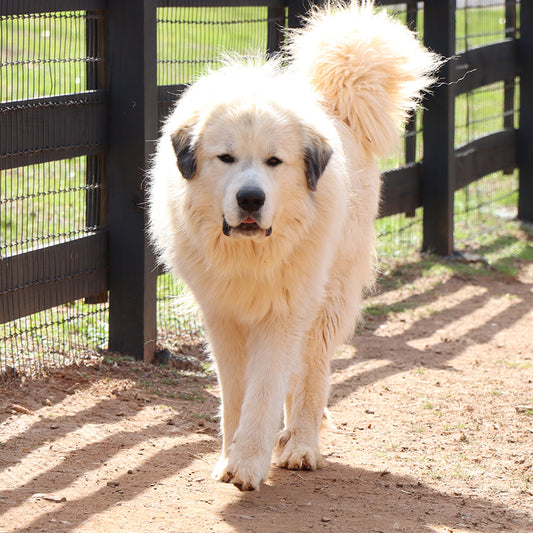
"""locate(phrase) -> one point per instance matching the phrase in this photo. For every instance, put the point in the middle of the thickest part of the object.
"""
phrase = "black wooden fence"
(114, 122)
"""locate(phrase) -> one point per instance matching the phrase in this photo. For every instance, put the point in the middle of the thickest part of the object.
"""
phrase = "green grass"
(42, 204)
(36, 48)
(503, 251)
(46, 55)
(74, 326)
(474, 26)
(185, 48)
(388, 309)
(516, 365)
(192, 397)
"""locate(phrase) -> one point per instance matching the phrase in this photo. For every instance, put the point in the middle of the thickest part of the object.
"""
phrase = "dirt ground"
(432, 404)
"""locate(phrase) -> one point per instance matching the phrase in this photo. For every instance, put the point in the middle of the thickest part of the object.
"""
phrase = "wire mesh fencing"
(484, 205)
(54, 122)
(47, 198)
(190, 40)
(400, 234)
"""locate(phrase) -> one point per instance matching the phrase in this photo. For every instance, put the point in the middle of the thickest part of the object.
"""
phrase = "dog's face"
(249, 166)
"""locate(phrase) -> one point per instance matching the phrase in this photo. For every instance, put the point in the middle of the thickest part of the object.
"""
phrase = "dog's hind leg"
(297, 445)
(305, 407)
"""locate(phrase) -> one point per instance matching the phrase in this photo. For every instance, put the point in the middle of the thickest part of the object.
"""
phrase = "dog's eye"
(273, 162)
(226, 158)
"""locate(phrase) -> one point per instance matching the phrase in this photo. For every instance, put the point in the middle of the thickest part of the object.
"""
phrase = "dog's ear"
(317, 154)
(182, 142)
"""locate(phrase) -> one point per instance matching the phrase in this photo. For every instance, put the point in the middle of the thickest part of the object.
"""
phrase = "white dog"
(263, 195)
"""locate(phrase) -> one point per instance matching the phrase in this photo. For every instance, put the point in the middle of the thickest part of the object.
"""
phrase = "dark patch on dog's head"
(185, 152)
(317, 154)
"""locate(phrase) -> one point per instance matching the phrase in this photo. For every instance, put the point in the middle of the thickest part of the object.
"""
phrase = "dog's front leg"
(228, 343)
(272, 359)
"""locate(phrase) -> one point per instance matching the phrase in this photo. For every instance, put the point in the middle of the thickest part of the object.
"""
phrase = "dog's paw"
(245, 475)
(296, 455)
(221, 472)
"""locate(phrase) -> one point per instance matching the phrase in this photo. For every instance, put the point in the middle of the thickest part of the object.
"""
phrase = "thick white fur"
(275, 307)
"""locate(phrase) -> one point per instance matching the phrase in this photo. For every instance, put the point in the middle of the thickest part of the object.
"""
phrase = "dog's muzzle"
(250, 200)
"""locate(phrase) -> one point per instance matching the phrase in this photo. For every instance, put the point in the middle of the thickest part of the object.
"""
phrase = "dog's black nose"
(250, 198)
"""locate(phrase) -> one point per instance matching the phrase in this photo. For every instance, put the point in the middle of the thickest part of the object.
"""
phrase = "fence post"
(525, 131)
(95, 204)
(410, 126)
(298, 8)
(275, 29)
(509, 84)
(438, 183)
(131, 62)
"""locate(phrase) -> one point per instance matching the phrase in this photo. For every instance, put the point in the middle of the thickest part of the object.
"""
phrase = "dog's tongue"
(248, 220)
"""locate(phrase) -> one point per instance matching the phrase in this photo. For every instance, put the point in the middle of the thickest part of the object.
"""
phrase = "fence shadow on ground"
(349, 498)
(397, 348)
(95, 441)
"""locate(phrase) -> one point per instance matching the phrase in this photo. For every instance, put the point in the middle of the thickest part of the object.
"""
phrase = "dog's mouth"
(247, 228)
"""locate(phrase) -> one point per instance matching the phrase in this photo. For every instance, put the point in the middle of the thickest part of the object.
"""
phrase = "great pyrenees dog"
(262, 198)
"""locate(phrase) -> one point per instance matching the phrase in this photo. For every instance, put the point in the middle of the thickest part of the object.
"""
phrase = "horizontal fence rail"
(112, 125)
(43, 278)
(33, 7)
(485, 65)
(39, 130)
(483, 156)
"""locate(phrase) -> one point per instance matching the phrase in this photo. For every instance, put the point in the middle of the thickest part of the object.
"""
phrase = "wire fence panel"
(190, 40)
(402, 231)
(43, 55)
(52, 247)
(484, 205)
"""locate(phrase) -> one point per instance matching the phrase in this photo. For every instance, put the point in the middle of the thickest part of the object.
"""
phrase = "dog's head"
(250, 165)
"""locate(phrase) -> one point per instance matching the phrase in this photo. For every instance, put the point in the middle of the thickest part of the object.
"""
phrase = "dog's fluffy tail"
(369, 69)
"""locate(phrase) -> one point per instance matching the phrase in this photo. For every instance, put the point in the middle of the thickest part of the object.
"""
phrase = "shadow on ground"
(141, 438)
